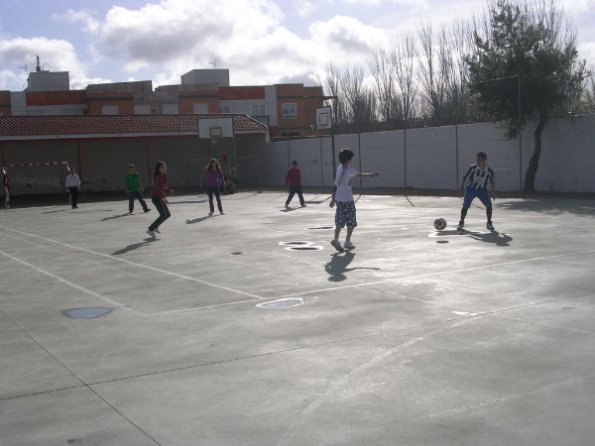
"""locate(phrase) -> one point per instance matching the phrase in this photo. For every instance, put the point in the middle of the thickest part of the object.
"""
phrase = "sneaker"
(461, 225)
(157, 231)
(147, 210)
(348, 245)
(129, 212)
(211, 214)
(303, 205)
(489, 226)
(151, 233)
(221, 213)
(286, 206)
(337, 245)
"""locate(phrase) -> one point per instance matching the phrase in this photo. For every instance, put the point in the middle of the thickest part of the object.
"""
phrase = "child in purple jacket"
(213, 179)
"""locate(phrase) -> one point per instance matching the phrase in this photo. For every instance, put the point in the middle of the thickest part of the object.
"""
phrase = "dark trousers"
(210, 192)
(163, 213)
(136, 196)
(74, 196)
(295, 190)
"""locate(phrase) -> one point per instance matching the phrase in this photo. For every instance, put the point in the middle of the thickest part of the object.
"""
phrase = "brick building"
(287, 109)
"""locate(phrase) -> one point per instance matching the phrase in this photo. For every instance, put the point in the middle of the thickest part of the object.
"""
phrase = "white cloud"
(304, 8)
(54, 55)
(175, 36)
(9, 78)
(172, 29)
(83, 16)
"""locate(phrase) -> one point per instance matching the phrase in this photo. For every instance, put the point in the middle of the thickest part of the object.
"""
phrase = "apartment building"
(287, 109)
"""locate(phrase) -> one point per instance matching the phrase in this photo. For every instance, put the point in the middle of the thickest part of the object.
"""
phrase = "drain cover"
(287, 302)
(236, 253)
(87, 312)
(322, 227)
(304, 248)
(298, 243)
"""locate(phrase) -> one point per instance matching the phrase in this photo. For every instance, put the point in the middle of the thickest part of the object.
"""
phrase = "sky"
(261, 42)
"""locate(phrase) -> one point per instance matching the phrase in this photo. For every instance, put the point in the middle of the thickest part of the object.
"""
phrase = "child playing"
(474, 184)
(6, 187)
(213, 179)
(73, 182)
(343, 197)
(293, 179)
(158, 197)
(134, 188)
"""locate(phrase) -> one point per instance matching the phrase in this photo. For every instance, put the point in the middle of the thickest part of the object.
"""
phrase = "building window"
(170, 109)
(143, 109)
(290, 110)
(109, 110)
(200, 107)
(258, 110)
(225, 109)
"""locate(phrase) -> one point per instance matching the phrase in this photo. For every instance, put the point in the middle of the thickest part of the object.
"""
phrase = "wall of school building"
(436, 158)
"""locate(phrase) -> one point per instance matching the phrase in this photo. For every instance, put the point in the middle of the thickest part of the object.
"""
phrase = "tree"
(525, 53)
(356, 103)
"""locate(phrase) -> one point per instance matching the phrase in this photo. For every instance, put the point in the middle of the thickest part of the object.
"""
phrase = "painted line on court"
(140, 265)
(69, 283)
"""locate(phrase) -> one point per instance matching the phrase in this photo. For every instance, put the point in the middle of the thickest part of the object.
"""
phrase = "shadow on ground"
(134, 246)
(552, 207)
(337, 267)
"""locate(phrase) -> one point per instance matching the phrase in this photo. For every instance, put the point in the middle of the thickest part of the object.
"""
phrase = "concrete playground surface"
(249, 329)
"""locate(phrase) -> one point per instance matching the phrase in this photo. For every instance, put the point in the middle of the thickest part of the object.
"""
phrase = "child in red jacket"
(293, 179)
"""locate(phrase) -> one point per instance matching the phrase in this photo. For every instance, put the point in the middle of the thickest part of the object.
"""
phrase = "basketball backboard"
(324, 118)
(209, 128)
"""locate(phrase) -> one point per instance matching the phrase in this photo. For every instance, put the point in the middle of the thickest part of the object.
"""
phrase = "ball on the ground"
(440, 224)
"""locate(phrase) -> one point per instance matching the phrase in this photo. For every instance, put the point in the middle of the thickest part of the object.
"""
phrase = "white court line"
(139, 265)
(69, 283)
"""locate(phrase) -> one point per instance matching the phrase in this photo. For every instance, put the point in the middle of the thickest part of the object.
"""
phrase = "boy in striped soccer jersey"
(475, 184)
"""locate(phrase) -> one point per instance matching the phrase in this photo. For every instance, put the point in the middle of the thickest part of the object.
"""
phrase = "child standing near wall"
(73, 182)
(6, 188)
(293, 179)
(160, 188)
(343, 198)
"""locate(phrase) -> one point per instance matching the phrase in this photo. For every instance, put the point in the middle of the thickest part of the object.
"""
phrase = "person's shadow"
(197, 220)
(500, 239)
(338, 266)
(134, 246)
(115, 216)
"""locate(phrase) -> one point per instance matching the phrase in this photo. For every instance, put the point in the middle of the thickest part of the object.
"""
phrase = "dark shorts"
(345, 214)
(472, 193)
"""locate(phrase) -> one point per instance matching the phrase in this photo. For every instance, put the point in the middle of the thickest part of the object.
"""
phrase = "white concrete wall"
(436, 158)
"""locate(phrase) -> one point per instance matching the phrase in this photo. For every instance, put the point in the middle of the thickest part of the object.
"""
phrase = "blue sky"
(260, 41)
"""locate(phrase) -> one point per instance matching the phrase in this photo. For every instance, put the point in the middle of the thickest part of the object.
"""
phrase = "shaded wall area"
(102, 162)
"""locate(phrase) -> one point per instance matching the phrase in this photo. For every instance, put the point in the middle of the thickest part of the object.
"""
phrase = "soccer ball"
(440, 224)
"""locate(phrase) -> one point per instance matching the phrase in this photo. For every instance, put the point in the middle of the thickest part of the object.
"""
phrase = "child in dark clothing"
(293, 179)
(158, 197)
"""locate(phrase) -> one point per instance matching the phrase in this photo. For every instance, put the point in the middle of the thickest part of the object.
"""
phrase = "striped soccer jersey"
(478, 178)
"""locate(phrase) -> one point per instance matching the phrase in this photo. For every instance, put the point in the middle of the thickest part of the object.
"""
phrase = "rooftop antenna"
(214, 63)
(37, 65)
